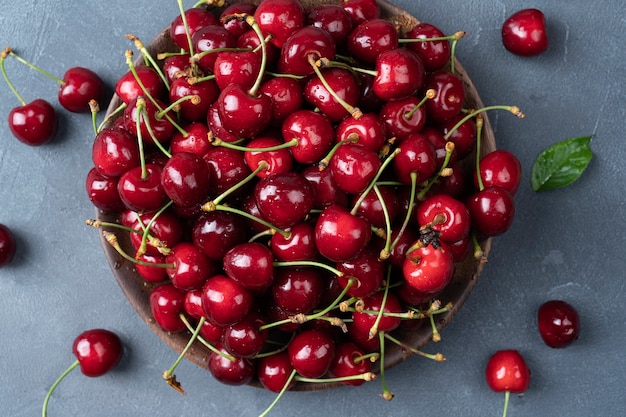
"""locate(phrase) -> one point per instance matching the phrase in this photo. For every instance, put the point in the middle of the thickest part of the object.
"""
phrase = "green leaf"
(561, 164)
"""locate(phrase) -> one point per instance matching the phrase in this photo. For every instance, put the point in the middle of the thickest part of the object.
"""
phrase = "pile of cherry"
(299, 186)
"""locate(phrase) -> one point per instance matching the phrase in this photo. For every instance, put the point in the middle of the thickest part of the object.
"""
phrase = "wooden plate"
(466, 274)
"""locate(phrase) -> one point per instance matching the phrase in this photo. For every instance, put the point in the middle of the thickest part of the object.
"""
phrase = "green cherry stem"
(210, 206)
(507, 396)
(449, 147)
(183, 16)
(3, 56)
(259, 79)
(372, 183)
(387, 395)
(33, 66)
(353, 111)
(148, 59)
(479, 130)
(141, 108)
(374, 329)
(168, 375)
(202, 340)
(112, 240)
(44, 409)
(511, 109)
(409, 212)
(94, 109)
(430, 94)
(437, 357)
(322, 265)
(280, 394)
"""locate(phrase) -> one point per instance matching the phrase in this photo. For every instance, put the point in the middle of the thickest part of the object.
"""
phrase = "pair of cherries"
(35, 123)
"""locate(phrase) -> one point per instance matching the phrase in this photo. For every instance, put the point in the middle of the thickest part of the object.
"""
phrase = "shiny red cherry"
(524, 33)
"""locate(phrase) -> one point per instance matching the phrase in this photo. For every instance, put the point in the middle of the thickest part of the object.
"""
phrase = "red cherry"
(428, 268)
(229, 371)
(236, 26)
(368, 130)
(186, 179)
(353, 167)
(216, 232)
(284, 198)
(297, 290)
(251, 265)
(299, 246)
(303, 45)
(79, 86)
(492, 210)
(400, 74)
(228, 168)
(167, 303)
(195, 141)
(98, 351)
(155, 274)
(349, 361)
(279, 18)
(445, 214)
(34, 123)
(196, 18)
(371, 38)
(326, 190)
(558, 322)
(403, 118)
(311, 353)
(333, 19)
(364, 321)
(314, 133)
(524, 33)
(141, 192)
(8, 245)
(191, 268)
(206, 40)
(286, 96)
(114, 151)
(225, 301)
(280, 161)
(274, 371)
(128, 88)
(340, 235)
(501, 168)
(361, 10)
(507, 372)
(417, 156)
(449, 97)
(243, 114)
(342, 83)
(236, 67)
(102, 191)
(190, 110)
(245, 339)
(435, 54)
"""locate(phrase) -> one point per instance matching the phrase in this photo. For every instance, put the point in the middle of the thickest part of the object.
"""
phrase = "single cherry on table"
(524, 33)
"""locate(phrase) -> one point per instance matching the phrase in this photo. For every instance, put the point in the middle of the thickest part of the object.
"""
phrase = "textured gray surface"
(566, 244)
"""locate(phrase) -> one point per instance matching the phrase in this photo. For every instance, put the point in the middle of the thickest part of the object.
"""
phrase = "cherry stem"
(146, 120)
(111, 116)
(437, 357)
(384, 254)
(175, 106)
(372, 183)
(430, 93)
(141, 107)
(511, 109)
(387, 395)
(354, 111)
(479, 130)
(366, 376)
(449, 147)
(210, 206)
(374, 329)
(143, 246)
(159, 244)
(183, 16)
(218, 142)
(133, 70)
(200, 339)
(3, 56)
(507, 396)
(33, 66)
(327, 267)
(454, 37)
(250, 20)
(280, 394)
(409, 211)
(478, 250)
(323, 164)
(249, 216)
(44, 410)
(148, 58)
(112, 240)
(168, 375)
(94, 108)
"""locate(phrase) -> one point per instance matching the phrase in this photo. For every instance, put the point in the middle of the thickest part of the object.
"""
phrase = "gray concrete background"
(567, 244)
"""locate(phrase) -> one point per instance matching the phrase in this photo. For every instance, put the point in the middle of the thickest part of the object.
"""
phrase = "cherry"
(463, 136)
(334, 19)
(492, 210)
(236, 67)
(128, 86)
(114, 151)
(216, 232)
(428, 268)
(166, 228)
(230, 370)
(299, 246)
(251, 265)
(193, 303)
(417, 156)
(507, 372)
(279, 18)
(326, 190)
(186, 179)
(446, 215)
(225, 301)
(361, 10)
(311, 352)
(236, 26)
(435, 54)
(502, 168)
(176, 66)
(141, 189)
(155, 274)
(8, 245)
(97, 352)
(190, 110)
(194, 19)
(449, 97)
(370, 321)
(368, 130)
(245, 339)
(102, 191)
(366, 269)
(167, 303)
(297, 290)
(403, 117)
(78, 87)
(274, 371)
(190, 267)
(372, 207)
(195, 141)
(279, 161)
(338, 89)
(284, 198)
(353, 167)
(349, 360)
(228, 168)
(242, 113)
(371, 38)
(154, 124)
(340, 235)
(399, 74)
(206, 40)
(524, 33)
(304, 45)
(286, 96)
(33, 123)
(314, 134)
(436, 137)
(558, 323)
